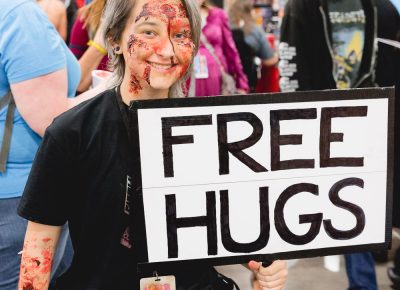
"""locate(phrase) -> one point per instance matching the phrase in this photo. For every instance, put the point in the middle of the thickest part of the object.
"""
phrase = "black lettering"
(169, 140)
(173, 223)
(226, 236)
(314, 219)
(236, 148)
(327, 137)
(354, 209)
(279, 140)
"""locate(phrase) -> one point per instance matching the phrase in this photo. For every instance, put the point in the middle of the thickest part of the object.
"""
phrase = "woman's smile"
(161, 66)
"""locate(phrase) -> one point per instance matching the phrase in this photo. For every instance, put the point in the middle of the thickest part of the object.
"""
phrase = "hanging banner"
(227, 179)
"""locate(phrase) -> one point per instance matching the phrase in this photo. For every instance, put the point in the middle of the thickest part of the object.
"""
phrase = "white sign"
(224, 180)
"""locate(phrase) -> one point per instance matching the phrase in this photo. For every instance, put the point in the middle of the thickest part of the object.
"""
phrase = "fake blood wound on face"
(135, 41)
(182, 11)
(168, 10)
(134, 85)
(146, 12)
(146, 74)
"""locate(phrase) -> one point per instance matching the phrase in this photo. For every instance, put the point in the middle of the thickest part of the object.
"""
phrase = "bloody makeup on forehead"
(182, 11)
(168, 11)
(154, 8)
(146, 12)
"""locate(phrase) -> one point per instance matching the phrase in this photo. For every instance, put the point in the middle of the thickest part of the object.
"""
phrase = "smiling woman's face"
(157, 45)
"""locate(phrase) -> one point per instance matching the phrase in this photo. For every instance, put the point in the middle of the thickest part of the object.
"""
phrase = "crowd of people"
(53, 206)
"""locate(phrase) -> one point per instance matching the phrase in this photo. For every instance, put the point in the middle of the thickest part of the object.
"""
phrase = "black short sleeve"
(49, 184)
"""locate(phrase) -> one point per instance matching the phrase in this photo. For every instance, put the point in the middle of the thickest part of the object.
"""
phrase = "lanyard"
(126, 118)
(136, 215)
(128, 208)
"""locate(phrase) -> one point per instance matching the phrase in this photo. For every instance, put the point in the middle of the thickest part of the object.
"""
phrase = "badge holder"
(200, 67)
(158, 282)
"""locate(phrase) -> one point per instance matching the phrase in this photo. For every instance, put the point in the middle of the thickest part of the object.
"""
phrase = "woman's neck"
(131, 92)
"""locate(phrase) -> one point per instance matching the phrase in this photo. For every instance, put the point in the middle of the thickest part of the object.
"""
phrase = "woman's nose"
(166, 48)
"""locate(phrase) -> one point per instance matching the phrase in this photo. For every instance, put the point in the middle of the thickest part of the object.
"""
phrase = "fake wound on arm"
(37, 256)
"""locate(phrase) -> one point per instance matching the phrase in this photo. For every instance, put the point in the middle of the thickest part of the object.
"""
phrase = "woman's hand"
(272, 277)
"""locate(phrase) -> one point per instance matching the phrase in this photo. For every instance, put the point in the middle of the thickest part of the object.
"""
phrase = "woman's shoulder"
(16, 7)
(57, 7)
(94, 111)
(257, 32)
(8, 6)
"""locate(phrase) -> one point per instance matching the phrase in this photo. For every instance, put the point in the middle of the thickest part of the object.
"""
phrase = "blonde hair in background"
(115, 17)
(91, 14)
(240, 10)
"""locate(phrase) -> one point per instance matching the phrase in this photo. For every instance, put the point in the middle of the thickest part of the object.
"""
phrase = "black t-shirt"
(347, 19)
(80, 176)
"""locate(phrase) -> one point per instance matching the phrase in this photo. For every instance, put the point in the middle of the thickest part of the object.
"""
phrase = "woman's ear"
(115, 46)
(117, 49)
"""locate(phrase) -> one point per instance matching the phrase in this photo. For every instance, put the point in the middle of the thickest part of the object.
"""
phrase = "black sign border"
(165, 268)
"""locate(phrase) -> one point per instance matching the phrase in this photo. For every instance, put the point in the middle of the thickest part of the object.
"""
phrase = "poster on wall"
(223, 180)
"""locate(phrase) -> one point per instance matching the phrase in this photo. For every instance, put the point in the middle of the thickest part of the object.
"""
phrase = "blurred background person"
(83, 31)
(38, 78)
(216, 31)
(331, 44)
(57, 13)
(250, 40)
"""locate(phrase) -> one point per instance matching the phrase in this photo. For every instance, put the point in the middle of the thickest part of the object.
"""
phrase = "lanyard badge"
(200, 67)
(158, 283)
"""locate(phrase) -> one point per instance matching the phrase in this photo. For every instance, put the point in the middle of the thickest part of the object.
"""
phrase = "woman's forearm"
(37, 256)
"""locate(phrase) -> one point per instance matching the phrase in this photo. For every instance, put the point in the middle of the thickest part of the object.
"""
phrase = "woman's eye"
(181, 35)
(149, 33)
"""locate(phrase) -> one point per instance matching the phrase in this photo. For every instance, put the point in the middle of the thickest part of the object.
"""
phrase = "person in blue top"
(42, 75)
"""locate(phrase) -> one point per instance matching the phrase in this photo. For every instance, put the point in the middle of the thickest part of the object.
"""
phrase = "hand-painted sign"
(227, 179)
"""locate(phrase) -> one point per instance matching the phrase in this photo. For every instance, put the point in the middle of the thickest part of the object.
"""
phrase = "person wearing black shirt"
(81, 174)
(332, 44)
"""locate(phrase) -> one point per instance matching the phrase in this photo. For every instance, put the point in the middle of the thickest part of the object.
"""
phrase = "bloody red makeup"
(159, 46)
(36, 268)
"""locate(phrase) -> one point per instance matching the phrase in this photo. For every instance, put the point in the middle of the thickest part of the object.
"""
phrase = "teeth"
(161, 66)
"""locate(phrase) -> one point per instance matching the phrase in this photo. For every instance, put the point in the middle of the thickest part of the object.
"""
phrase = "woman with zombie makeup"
(216, 31)
(81, 172)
